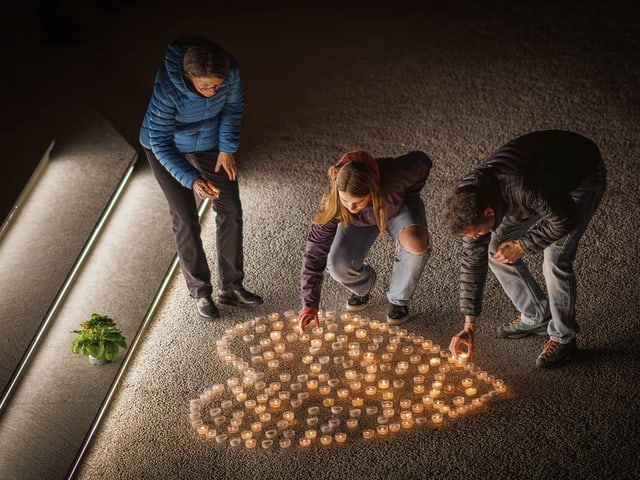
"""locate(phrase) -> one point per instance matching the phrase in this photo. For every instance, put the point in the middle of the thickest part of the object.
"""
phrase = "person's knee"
(414, 239)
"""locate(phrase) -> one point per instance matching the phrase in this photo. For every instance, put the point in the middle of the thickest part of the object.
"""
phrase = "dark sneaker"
(240, 298)
(518, 329)
(555, 354)
(355, 303)
(397, 314)
(206, 307)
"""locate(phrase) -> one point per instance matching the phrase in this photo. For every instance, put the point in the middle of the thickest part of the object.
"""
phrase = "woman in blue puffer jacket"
(190, 133)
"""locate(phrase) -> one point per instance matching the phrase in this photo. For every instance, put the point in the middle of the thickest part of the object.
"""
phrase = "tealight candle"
(357, 401)
(275, 402)
(418, 389)
(250, 443)
(407, 423)
(336, 409)
(342, 393)
(398, 383)
(437, 418)
(292, 337)
(383, 383)
(284, 443)
(371, 410)
(284, 395)
(466, 382)
(246, 434)
(326, 439)
(368, 433)
(471, 391)
(312, 384)
(271, 433)
(328, 402)
(340, 437)
(369, 377)
(265, 417)
(371, 390)
(310, 434)
(352, 422)
(275, 336)
(304, 442)
(382, 430)
(457, 401)
(387, 394)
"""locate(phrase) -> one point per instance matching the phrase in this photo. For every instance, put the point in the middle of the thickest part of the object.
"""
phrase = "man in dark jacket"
(535, 194)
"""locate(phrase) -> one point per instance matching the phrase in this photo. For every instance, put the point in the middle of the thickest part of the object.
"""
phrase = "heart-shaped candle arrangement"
(349, 379)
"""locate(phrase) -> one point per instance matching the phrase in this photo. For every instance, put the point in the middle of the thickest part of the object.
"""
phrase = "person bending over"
(365, 198)
(536, 194)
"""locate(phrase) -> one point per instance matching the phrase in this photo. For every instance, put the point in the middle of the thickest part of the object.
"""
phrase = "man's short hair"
(465, 207)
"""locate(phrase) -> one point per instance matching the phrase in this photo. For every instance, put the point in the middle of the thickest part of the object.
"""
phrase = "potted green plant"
(100, 339)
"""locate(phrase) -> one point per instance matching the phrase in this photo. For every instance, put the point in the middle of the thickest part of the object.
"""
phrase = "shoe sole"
(214, 316)
(226, 301)
(397, 321)
(557, 364)
(351, 308)
(541, 332)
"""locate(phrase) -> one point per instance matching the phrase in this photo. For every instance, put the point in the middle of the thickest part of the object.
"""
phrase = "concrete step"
(57, 395)
(50, 226)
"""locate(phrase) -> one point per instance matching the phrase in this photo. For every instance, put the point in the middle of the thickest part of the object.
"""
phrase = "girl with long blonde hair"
(366, 198)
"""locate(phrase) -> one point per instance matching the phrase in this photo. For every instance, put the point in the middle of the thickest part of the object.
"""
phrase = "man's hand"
(205, 189)
(307, 316)
(508, 252)
(226, 161)
(462, 342)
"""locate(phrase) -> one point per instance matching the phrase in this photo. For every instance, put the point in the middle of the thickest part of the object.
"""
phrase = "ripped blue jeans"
(347, 265)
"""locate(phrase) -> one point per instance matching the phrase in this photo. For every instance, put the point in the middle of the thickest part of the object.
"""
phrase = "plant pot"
(97, 361)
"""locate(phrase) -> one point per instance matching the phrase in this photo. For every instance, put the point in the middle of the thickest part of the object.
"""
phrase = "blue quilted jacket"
(180, 120)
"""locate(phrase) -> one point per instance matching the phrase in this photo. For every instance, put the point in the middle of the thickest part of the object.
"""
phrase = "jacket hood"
(173, 66)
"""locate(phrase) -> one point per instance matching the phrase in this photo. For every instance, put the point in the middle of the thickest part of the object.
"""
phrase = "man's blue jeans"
(346, 260)
(520, 286)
